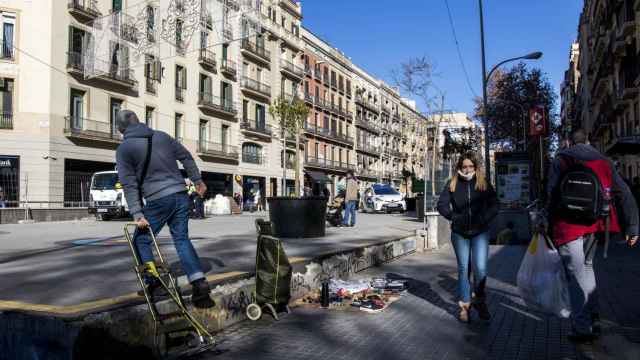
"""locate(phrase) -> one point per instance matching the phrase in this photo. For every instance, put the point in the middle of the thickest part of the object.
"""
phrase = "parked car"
(382, 198)
(107, 196)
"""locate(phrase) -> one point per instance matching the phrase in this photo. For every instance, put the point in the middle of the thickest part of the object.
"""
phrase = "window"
(181, 82)
(77, 40)
(226, 91)
(225, 52)
(205, 85)
(115, 106)
(252, 153)
(203, 135)
(284, 22)
(178, 127)
(179, 35)
(116, 5)
(151, 23)
(76, 109)
(260, 117)
(245, 110)
(290, 160)
(224, 136)
(204, 42)
(148, 116)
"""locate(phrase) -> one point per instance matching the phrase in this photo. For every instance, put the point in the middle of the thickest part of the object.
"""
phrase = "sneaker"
(200, 296)
(580, 338)
(482, 309)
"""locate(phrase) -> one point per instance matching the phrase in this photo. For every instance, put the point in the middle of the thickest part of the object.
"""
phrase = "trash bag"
(542, 280)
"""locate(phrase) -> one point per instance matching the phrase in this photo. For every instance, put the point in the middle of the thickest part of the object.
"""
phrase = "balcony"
(349, 93)
(288, 68)
(328, 134)
(256, 129)
(307, 70)
(317, 74)
(229, 68)
(7, 52)
(368, 125)
(370, 105)
(328, 164)
(291, 6)
(252, 158)
(217, 151)
(86, 129)
(256, 52)
(368, 148)
(207, 58)
(75, 63)
(151, 86)
(308, 98)
(85, 9)
(255, 88)
(319, 102)
(385, 109)
(6, 121)
(180, 94)
(367, 173)
(214, 104)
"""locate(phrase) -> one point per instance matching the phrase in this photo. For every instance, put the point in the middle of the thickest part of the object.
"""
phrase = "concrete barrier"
(126, 329)
(14, 215)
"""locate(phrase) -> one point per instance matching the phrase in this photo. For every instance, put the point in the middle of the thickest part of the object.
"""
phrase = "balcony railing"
(90, 129)
(84, 8)
(218, 150)
(308, 98)
(367, 103)
(208, 58)
(372, 149)
(254, 49)
(307, 70)
(229, 67)
(75, 62)
(257, 127)
(322, 131)
(328, 164)
(180, 93)
(256, 86)
(317, 74)
(367, 125)
(252, 158)
(385, 109)
(369, 173)
(217, 104)
(152, 86)
(292, 69)
(6, 120)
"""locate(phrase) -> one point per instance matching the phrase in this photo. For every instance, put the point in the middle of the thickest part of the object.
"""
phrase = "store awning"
(318, 176)
(628, 145)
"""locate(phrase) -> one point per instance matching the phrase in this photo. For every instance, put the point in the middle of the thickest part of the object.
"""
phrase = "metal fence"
(9, 187)
(76, 188)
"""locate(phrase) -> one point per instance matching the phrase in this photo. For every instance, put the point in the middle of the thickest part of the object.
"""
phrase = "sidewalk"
(422, 324)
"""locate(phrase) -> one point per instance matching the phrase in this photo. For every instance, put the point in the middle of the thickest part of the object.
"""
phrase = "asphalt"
(75, 263)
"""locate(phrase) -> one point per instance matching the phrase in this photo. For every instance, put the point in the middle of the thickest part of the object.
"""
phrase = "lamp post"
(485, 80)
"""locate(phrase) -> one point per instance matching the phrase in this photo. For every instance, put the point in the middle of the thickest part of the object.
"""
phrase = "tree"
(291, 116)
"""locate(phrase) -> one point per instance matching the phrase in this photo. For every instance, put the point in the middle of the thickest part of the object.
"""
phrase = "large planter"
(298, 217)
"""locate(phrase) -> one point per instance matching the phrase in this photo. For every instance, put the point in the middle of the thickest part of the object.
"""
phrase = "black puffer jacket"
(469, 210)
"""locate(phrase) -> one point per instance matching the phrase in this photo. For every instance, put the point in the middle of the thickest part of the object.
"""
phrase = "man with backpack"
(582, 188)
(147, 167)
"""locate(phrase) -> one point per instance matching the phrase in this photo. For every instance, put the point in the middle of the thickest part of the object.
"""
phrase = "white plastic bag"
(542, 280)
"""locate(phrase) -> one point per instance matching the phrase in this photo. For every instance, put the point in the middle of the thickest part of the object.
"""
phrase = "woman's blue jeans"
(174, 211)
(471, 252)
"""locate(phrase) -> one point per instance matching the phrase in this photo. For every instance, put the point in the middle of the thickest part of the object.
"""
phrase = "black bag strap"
(145, 167)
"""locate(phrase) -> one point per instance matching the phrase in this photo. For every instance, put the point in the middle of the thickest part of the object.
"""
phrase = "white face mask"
(468, 176)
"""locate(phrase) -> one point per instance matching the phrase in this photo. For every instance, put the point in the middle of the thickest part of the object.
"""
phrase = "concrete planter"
(297, 217)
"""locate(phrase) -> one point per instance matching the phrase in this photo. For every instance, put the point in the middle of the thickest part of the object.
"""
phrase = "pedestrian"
(351, 199)
(257, 199)
(147, 166)
(470, 203)
(574, 232)
(191, 192)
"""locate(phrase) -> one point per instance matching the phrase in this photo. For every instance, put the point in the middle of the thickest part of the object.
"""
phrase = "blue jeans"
(349, 211)
(472, 251)
(174, 211)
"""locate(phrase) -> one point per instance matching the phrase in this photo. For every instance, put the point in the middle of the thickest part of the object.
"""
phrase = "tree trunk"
(297, 181)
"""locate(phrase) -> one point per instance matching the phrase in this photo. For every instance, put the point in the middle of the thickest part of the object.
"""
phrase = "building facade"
(604, 73)
(212, 92)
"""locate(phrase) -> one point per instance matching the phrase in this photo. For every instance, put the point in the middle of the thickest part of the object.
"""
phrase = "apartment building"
(606, 99)
(208, 83)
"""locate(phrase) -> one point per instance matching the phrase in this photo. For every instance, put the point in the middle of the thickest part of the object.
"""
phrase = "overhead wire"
(460, 58)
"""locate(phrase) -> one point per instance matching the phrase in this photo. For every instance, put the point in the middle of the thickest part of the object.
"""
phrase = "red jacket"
(563, 231)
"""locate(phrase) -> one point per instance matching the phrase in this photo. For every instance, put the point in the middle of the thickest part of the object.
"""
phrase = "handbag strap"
(145, 167)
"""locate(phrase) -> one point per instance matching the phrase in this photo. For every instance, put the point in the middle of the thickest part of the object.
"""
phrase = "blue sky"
(380, 34)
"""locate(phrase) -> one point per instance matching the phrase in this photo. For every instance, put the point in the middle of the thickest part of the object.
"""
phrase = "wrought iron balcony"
(180, 93)
(152, 86)
(308, 98)
(86, 9)
(258, 52)
(256, 128)
(207, 58)
(252, 158)
(229, 68)
(317, 74)
(368, 148)
(75, 62)
(82, 128)
(216, 104)
(217, 150)
(370, 105)
(287, 67)
(6, 120)
(326, 133)
(255, 87)
(328, 164)
(366, 124)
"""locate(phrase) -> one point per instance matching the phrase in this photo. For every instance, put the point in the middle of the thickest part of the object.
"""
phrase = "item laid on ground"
(541, 278)
(220, 205)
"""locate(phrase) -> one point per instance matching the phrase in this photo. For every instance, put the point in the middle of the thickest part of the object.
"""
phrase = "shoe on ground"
(483, 310)
(154, 289)
(579, 338)
(463, 316)
(201, 297)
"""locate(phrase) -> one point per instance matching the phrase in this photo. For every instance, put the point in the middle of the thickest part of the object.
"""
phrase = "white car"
(383, 198)
(107, 196)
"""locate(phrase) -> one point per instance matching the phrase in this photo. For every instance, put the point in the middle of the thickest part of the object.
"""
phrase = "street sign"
(537, 121)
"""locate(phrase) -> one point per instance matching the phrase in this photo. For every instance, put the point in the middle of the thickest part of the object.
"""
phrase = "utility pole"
(485, 119)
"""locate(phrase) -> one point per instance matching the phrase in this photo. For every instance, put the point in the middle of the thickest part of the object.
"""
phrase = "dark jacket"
(623, 198)
(469, 210)
(163, 175)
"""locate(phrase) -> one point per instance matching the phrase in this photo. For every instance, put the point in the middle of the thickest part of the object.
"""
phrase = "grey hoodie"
(621, 192)
(163, 175)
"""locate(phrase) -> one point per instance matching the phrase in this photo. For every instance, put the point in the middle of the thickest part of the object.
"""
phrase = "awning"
(318, 176)
(628, 145)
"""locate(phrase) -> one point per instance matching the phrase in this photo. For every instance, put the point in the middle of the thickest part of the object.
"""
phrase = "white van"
(107, 196)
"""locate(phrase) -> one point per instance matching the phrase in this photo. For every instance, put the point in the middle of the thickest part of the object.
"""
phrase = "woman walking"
(470, 203)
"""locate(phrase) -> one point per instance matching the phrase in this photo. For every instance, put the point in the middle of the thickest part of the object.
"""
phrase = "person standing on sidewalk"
(575, 237)
(351, 199)
(470, 203)
(147, 167)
